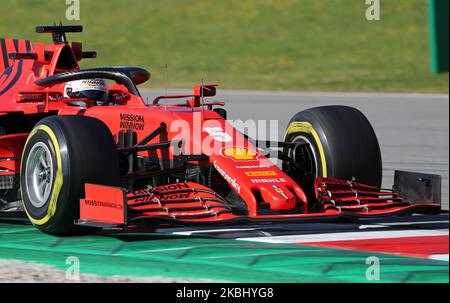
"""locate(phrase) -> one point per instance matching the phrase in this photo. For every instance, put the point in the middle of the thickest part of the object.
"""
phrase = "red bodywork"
(246, 171)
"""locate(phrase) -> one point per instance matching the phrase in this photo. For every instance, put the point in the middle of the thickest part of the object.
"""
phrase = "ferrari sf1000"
(80, 149)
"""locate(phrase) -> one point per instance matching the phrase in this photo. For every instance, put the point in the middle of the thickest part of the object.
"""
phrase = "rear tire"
(63, 153)
(342, 144)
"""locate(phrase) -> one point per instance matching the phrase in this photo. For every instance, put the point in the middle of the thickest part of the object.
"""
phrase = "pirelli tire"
(340, 143)
(63, 153)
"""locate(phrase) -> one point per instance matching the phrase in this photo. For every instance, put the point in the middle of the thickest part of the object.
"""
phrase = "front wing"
(194, 204)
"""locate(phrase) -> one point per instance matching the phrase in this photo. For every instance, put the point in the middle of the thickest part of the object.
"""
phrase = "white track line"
(344, 236)
(190, 232)
(377, 225)
(439, 257)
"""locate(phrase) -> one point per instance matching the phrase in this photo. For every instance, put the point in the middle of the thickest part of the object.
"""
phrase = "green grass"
(309, 45)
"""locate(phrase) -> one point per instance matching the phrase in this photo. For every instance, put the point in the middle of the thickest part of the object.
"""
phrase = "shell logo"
(240, 153)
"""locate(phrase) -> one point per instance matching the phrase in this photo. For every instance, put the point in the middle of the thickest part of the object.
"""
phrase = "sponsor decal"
(119, 96)
(232, 181)
(102, 204)
(218, 134)
(268, 173)
(272, 180)
(165, 197)
(175, 196)
(162, 196)
(92, 83)
(254, 166)
(172, 187)
(280, 191)
(131, 121)
(240, 153)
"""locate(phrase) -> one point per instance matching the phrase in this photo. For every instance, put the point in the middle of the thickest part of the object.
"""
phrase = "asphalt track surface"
(413, 133)
(412, 129)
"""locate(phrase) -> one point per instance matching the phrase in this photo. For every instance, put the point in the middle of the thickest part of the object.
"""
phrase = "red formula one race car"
(80, 149)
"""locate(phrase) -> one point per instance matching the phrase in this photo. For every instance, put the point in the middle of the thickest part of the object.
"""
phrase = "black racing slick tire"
(339, 143)
(63, 153)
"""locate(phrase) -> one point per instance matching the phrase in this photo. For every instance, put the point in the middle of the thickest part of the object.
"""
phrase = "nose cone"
(278, 196)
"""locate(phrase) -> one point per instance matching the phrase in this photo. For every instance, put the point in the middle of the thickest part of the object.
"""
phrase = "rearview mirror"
(206, 90)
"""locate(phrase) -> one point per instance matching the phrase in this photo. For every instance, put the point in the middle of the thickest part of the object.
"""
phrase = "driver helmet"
(92, 89)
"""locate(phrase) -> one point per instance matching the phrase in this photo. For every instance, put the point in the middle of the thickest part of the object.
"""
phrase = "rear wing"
(22, 59)
(59, 31)
(16, 49)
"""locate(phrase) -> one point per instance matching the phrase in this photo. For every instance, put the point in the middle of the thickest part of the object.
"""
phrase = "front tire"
(63, 153)
(339, 143)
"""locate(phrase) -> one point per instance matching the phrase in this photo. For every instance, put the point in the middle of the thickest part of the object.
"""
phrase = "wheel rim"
(308, 158)
(39, 174)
